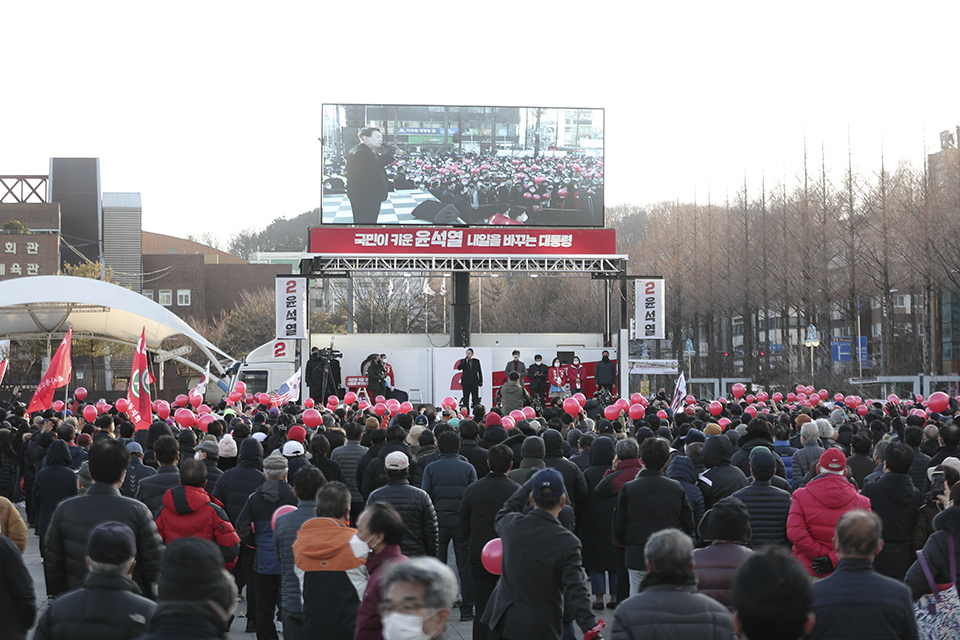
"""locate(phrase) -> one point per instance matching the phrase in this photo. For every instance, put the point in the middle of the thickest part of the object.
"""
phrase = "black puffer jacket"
(647, 504)
(108, 607)
(153, 489)
(681, 469)
(374, 475)
(213, 473)
(937, 553)
(769, 508)
(741, 459)
(573, 478)
(445, 481)
(894, 498)
(235, 486)
(420, 532)
(55, 483)
(135, 474)
(64, 564)
(18, 601)
(596, 523)
(721, 479)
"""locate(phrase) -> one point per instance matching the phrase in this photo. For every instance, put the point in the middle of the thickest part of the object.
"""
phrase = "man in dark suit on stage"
(367, 184)
(471, 380)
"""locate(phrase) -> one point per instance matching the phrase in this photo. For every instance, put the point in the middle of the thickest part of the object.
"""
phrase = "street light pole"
(813, 341)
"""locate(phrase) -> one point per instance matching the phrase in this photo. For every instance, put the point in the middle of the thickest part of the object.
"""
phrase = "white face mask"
(403, 626)
(359, 547)
(198, 455)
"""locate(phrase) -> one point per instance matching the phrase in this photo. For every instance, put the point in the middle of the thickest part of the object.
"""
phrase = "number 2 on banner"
(291, 286)
(280, 350)
(649, 288)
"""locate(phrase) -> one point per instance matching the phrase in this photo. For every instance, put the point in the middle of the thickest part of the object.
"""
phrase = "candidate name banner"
(654, 367)
(438, 241)
(649, 315)
(291, 308)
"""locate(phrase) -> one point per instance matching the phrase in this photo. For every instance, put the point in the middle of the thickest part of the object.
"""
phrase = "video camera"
(329, 353)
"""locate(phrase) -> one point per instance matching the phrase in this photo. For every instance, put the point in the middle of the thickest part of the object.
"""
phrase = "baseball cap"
(548, 483)
(694, 435)
(134, 447)
(292, 448)
(396, 461)
(112, 543)
(833, 460)
(763, 463)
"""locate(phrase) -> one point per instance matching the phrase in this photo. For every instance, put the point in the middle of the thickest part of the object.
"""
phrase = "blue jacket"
(681, 469)
(857, 602)
(446, 480)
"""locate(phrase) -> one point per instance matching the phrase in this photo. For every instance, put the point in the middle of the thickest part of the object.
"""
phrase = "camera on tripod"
(329, 353)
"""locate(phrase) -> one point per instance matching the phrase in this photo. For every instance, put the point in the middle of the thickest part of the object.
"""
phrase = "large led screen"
(462, 165)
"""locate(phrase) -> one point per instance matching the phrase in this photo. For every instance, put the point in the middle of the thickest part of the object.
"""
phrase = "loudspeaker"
(436, 212)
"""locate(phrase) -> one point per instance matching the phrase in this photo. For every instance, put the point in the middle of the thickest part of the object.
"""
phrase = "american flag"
(679, 394)
(289, 391)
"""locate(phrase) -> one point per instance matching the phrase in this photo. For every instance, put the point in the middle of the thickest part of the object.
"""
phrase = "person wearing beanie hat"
(228, 453)
(255, 526)
(298, 433)
(109, 605)
(727, 527)
(815, 510)
(532, 451)
(768, 504)
(196, 597)
(208, 451)
(712, 429)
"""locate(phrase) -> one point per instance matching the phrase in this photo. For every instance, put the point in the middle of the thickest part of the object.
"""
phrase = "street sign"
(170, 355)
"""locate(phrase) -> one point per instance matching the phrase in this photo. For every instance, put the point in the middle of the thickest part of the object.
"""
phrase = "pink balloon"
(185, 417)
(751, 398)
(580, 398)
(492, 556)
(163, 409)
(662, 414)
(938, 402)
(690, 400)
(622, 403)
(517, 415)
(196, 400)
(738, 390)
(763, 396)
(723, 422)
(122, 405)
(287, 508)
(571, 406)
(204, 409)
(80, 393)
(791, 397)
(635, 398)
(529, 413)
(309, 403)
(58, 405)
(363, 405)
(636, 412)
(716, 408)
(893, 398)
(406, 407)
(862, 410)
(203, 422)
(90, 413)
(350, 397)
(778, 397)
(449, 403)
(752, 411)
(380, 399)
(182, 400)
(612, 412)
(240, 386)
(507, 422)
(380, 409)
(312, 418)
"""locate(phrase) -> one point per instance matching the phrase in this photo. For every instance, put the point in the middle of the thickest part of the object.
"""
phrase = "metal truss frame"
(340, 265)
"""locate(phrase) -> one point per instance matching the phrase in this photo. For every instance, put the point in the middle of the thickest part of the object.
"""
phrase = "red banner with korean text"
(57, 375)
(138, 393)
(485, 241)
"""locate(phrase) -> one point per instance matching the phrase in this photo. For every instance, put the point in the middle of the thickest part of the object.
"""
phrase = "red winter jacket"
(812, 521)
(191, 512)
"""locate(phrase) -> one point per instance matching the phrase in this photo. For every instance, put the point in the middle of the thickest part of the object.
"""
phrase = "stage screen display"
(462, 165)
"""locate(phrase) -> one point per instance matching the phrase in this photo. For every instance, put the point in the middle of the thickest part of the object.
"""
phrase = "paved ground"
(457, 631)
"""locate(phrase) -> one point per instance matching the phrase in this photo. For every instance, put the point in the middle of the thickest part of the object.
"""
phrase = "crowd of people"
(811, 520)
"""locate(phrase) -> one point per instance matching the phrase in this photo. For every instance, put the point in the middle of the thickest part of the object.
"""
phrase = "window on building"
(876, 330)
(148, 294)
(183, 297)
(901, 301)
(171, 250)
(166, 297)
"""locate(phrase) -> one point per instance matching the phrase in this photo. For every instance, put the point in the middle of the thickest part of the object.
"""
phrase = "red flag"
(57, 375)
(3, 368)
(138, 394)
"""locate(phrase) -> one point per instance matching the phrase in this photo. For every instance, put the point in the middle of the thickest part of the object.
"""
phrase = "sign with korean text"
(291, 308)
(28, 255)
(509, 240)
(650, 310)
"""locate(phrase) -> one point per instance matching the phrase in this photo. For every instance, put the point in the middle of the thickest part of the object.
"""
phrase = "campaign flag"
(289, 391)
(3, 368)
(679, 394)
(138, 393)
(201, 388)
(57, 375)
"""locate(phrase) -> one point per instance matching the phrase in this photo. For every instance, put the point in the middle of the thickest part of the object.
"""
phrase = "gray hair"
(590, 423)
(669, 549)
(859, 533)
(70, 420)
(824, 427)
(438, 580)
(119, 570)
(809, 431)
(627, 449)
(274, 474)
(880, 450)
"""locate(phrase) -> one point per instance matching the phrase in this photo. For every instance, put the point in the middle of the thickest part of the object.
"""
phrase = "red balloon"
(122, 405)
(893, 398)
(103, 407)
(579, 397)
(492, 556)
(778, 397)
(716, 408)
(752, 411)
(350, 397)
(801, 397)
(938, 401)
(393, 405)
(612, 412)
(723, 422)
(196, 400)
(380, 399)
(406, 407)
(635, 398)
(517, 415)
(364, 405)
(181, 400)
(529, 413)
(800, 389)
(185, 417)
(333, 400)
(249, 398)
(380, 409)
(738, 390)
(449, 403)
(571, 406)
(309, 403)
(312, 418)
(763, 396)
(80, 393)
(507, 422)
(751, 398)
(234, 396)
(204, 409)
(862, 410)
(163, 409)
(332, 407)
(636, 412)
(90, 413)
(622, 403)
(240, 386)
(919, 399)
(791, 397)
(204, 421)
(690, 400)
(287, 508)
(722, 400)
(644, 401)
(263, 398)
(58, 404)
(823, 394)
(809, 390)
(662, 414)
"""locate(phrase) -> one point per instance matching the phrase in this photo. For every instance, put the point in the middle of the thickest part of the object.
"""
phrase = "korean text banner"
(291, 308)
(650, 310)
(461, 242)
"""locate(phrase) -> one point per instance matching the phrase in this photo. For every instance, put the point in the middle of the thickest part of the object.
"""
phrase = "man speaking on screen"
(366, 177)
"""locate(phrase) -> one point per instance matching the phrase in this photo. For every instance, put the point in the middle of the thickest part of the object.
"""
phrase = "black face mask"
(606, 358)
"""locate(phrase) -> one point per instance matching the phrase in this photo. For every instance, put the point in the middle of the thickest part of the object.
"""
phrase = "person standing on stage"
(471, 380)
(367, 184)
(516, 365)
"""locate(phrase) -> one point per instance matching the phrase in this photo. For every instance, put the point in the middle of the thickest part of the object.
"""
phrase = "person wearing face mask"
(327, 551)
(557, 376)
(418, 595)
(209, 451)
(538, 379)
(605, 372)
(379, 532)
(576, 375)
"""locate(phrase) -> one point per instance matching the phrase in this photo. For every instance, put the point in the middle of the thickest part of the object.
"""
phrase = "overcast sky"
(212, 110)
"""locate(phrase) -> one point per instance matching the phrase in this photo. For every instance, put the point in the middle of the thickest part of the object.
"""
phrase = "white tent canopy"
(41, 307)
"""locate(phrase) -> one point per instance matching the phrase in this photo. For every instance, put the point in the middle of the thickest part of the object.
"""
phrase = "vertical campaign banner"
(291, 308)
(650, 309)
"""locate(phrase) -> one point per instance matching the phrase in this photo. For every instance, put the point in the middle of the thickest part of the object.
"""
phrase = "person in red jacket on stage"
(557, 378)
(576, 374)
(188, 511)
